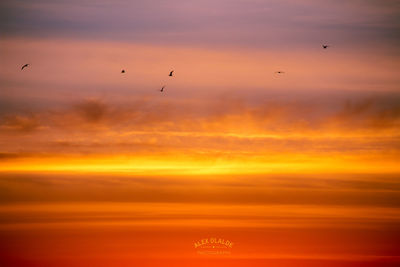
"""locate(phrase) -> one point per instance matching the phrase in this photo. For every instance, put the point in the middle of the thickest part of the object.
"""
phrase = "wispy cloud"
(92, 110)
(19, 123)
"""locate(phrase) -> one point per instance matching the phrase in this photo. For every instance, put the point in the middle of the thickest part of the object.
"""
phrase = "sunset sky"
(100, 168)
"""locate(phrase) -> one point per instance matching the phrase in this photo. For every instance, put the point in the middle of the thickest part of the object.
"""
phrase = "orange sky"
(99, 168)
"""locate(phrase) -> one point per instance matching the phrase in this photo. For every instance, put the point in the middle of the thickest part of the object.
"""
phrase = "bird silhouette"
(280, 72)
(170, 74)
(325, 46)
(122, 71)
(162, 89)
(24, 66)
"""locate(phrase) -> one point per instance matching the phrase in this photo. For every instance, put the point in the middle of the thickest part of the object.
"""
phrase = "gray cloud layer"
(249, 23)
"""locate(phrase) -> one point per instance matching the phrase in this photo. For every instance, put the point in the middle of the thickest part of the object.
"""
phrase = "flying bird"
(24, 66)
(280, 72)
(170, 74)
(162, 89)
(122, 71)
(325, 46)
